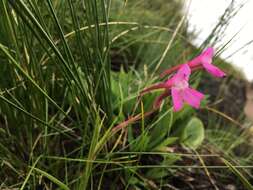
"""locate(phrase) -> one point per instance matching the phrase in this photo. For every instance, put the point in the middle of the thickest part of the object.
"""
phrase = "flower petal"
(215, 71)
(205, 56)
(177, 99)
(183, 73)
(192, 97)
(170, 81)
(209, 52)
(194, 62)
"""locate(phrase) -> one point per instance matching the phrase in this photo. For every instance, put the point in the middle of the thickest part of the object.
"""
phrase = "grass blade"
(52, 178)
(245, 182)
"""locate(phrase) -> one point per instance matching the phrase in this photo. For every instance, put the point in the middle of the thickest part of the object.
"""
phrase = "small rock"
(230, 187)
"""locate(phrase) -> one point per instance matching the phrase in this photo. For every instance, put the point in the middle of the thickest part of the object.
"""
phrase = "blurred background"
(204, 15)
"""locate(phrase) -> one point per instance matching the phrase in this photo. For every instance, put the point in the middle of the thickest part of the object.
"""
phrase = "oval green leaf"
(193, 134)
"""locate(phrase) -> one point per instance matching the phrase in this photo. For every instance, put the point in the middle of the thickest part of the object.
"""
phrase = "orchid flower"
(179, 89)
(181, 92)
(204, 60)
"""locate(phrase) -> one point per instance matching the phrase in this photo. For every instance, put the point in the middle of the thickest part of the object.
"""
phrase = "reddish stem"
(131, 120)
(159, 99)
(153, 87)
(169, 71)
(195, 68)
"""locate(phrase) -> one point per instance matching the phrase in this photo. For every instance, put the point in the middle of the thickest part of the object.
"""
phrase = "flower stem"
(169, 71)
(131, 120)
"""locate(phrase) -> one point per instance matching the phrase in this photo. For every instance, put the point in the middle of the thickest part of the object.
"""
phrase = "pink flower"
(180, 90)
(205, 60)
(179, 87)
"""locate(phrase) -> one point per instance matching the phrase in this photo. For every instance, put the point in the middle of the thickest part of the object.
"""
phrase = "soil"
(226, 95)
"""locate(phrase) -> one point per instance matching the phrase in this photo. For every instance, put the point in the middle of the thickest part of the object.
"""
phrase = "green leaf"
(121, 86)
(161, 129)
(157, 173)
(165, 143)
(193, 134)
(141, 143)
(133, 180)
(171, 159)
